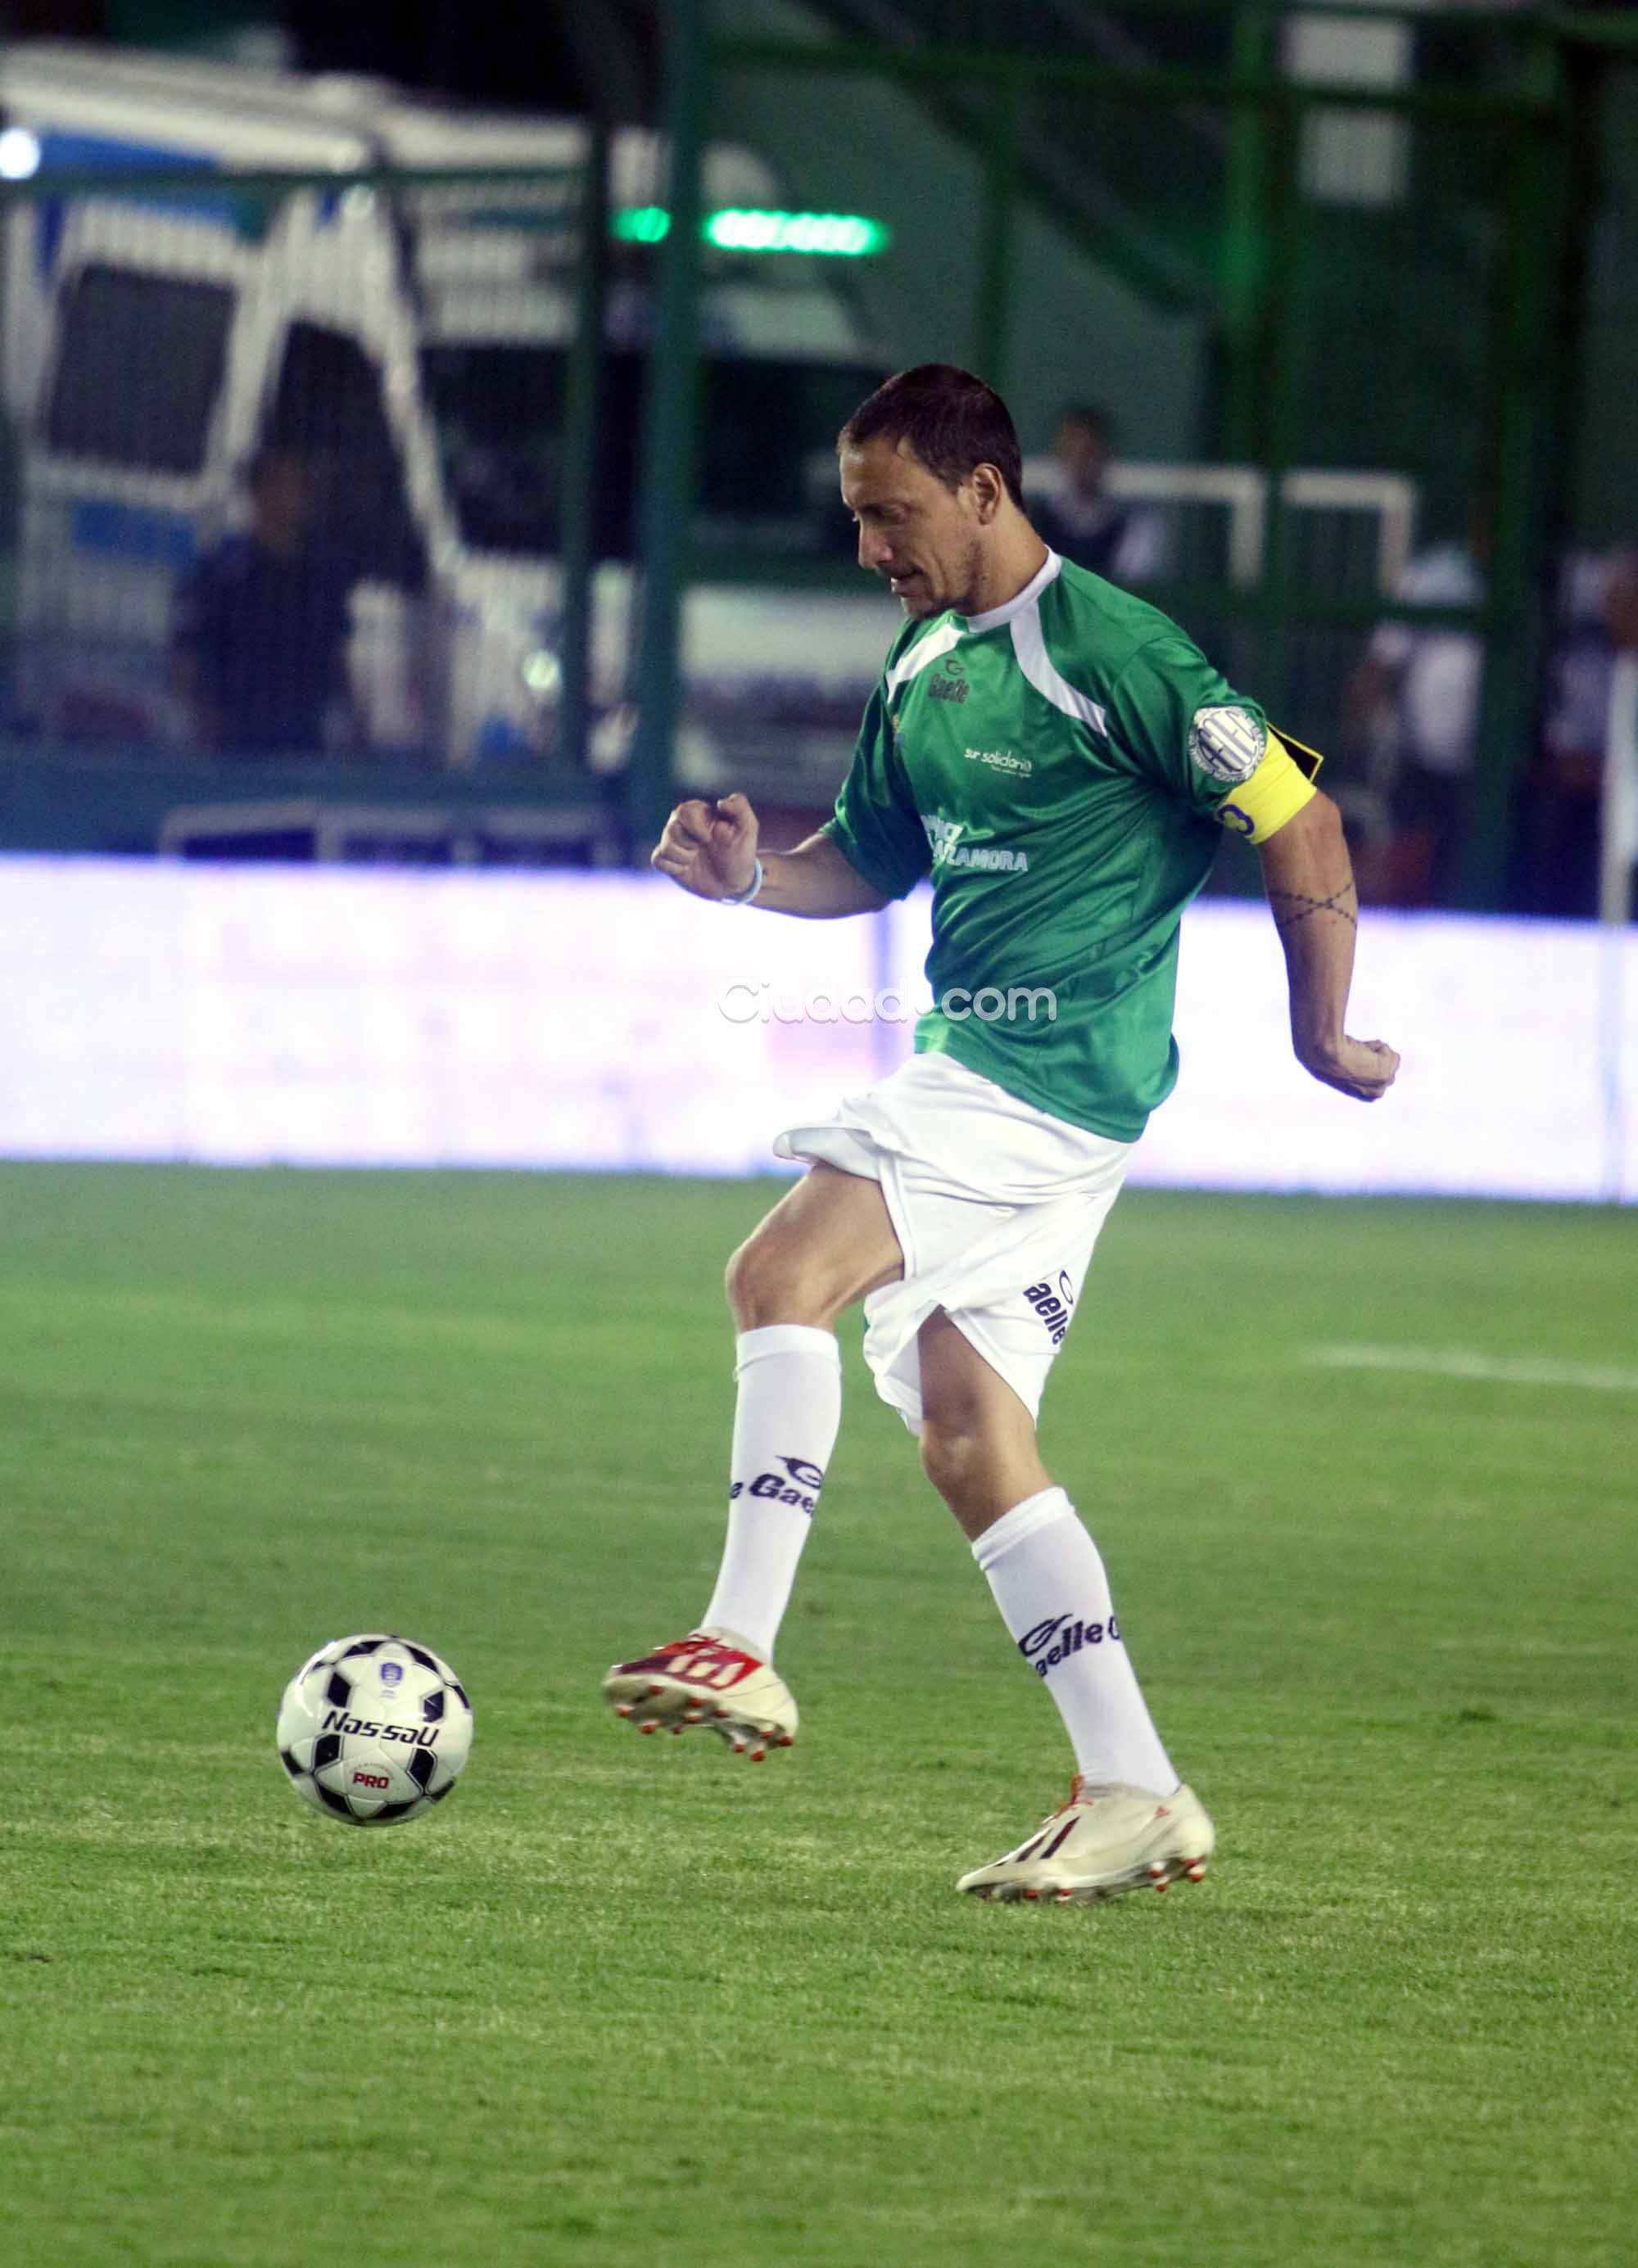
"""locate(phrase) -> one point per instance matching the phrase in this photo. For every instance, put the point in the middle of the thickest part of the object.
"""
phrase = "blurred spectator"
(1420, 689)
(1558, 857)
(259, 634)
(1121, 541)
(1621, 757)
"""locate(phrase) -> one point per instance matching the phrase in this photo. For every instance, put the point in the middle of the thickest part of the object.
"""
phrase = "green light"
(640, 223)
(841, 236)
(844, 236)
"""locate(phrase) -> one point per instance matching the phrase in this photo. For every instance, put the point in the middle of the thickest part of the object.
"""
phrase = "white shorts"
(996, 1207)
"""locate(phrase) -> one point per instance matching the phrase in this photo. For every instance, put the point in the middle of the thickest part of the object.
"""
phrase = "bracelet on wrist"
(744, 896)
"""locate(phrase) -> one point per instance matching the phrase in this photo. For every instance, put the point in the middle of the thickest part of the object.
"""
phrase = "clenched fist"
(1364, 1069)
(710, 848)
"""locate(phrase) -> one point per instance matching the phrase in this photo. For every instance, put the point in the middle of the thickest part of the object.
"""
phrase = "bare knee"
(767, 1281)
(825, 1244)
(954, 1454)
(980, 1469)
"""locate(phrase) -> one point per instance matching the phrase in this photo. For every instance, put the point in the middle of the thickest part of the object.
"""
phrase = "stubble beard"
(971, 581)
(920, 606)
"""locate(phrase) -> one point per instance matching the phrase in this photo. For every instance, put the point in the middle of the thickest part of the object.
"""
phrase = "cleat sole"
(1154, 1876)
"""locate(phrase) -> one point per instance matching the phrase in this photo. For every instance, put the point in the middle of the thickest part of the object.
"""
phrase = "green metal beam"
(1453, 13)
(580, 440)
(987, 66)
(990, 339)
(669, 416)
(1281, 377)
(1243, 283)
(1618, 33)
(1525, 455)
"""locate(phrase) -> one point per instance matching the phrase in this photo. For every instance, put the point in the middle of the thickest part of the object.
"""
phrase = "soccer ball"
(374, 1729)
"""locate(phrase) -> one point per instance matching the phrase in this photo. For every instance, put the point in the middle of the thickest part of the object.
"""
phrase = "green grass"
(621, 2001)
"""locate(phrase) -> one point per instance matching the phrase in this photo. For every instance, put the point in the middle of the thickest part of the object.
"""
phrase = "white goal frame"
(1244, 492)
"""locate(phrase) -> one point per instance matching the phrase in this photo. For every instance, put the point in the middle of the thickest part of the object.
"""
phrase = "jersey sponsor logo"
(1001, 760)
(1227, 743)
(950, 683)
(799, 1484)
(1053, 1304)
(948, 849)
(1059, 1636)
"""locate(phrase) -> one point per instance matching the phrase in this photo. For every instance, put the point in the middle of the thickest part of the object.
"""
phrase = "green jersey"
(1061, 767)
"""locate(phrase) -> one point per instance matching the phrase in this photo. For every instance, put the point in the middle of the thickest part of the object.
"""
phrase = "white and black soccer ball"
(375, 1730)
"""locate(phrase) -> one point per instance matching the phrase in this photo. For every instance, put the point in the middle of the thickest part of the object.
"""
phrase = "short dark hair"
(951, 420)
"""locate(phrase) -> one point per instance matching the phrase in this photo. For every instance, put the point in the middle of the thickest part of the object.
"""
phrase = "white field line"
(1458, 1362)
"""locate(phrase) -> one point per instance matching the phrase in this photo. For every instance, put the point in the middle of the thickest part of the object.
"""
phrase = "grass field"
(623, 2000)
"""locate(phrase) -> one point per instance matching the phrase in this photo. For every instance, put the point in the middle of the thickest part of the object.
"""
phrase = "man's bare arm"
(1310, 881)
(710, 848)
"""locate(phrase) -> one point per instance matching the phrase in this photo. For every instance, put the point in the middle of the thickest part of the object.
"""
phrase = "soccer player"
(1057, 757)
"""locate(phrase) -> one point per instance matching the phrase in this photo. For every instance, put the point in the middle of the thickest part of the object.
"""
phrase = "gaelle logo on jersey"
(1053, 1304)
(809, 1479)
(952, 685)
(1054, 1641)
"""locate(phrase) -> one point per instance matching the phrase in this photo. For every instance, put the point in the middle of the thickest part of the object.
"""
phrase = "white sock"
(1048, 1583)
(785, 1428)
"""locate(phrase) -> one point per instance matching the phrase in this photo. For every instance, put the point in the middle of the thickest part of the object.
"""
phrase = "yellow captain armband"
(1277, 790)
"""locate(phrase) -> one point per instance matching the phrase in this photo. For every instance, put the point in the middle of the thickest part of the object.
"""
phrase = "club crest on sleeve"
(1226, 744)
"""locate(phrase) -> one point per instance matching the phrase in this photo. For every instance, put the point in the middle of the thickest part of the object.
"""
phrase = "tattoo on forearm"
(1290, 907)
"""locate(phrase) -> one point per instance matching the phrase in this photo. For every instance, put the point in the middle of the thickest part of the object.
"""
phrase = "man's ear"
(989, 491)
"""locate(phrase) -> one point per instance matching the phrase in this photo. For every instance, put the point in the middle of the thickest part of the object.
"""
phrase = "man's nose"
(875, 548)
